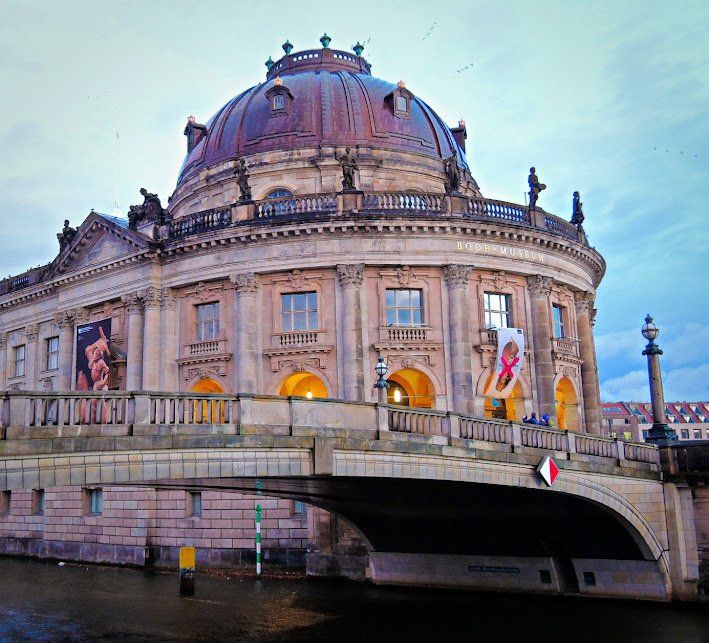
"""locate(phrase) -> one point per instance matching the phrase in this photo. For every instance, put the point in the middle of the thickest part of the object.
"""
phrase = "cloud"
(680, 384)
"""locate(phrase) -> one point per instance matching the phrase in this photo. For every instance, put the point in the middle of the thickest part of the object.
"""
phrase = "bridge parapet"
(36, 421)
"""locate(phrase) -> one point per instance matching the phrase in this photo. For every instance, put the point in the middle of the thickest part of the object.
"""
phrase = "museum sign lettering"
(499, 250)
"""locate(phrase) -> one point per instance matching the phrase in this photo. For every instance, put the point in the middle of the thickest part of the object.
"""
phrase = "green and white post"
(258, 541)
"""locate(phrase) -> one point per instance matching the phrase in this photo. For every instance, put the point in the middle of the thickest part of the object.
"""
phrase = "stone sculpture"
(66, 235)
(577, 217)
(150, 210)
(452, 174)
(242, 179)
(349, 165)
(535, 187)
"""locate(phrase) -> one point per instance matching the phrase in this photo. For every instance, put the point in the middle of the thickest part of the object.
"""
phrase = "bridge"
(438, 498)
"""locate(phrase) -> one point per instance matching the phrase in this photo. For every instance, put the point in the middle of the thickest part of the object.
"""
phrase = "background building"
(633, 419)
(321, 218)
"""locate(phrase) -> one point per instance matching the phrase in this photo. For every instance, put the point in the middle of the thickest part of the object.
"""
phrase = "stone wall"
(139, 526)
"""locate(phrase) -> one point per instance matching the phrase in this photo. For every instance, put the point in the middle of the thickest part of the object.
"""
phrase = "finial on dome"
(269, 63)
(461, 122)
(401, 84)
(358, 48)
(277, 81)
(287, 47)
(325, 41)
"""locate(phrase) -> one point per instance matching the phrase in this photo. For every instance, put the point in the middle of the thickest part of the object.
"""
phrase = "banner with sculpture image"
(510, 355)
(93, 355)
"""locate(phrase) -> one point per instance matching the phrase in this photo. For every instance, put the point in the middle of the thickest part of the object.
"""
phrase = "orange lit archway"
(208, 412)
(511, 408)
(303, 384)
(567, 408)
(411, 387)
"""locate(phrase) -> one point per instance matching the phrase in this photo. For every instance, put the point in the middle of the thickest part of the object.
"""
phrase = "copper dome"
(334, 100)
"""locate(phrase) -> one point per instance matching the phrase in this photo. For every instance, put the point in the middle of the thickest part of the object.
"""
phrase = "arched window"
(283, 205)
(278, 193)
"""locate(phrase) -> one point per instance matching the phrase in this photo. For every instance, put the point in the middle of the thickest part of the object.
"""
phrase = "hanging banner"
(510, 355)
(93, 355)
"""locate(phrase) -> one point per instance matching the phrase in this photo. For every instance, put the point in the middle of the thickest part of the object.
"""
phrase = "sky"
(608, 98)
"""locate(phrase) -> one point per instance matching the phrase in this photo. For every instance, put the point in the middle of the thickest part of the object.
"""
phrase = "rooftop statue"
(577, 217)
(242, 179)
(535, 187)
(349, 165)
(66, 235)
(150, 210)
(452, 173)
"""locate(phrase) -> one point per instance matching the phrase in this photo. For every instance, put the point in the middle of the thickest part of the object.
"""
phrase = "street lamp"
(381, 384)
(659, 432)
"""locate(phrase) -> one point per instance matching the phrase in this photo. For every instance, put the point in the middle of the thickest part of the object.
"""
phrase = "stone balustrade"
(298, 338)
(565, 345)
(48, 415)
(207, 347)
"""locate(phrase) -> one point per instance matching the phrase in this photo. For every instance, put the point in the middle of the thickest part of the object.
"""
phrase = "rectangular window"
(94, 503)
(5, 501)
(298, 508)
(19, 359)
(194, 503)
(38, 501)
(52, 353)
(403, 307)
(401, 104)
(697, 434)
(589, 578)
(497, 310)
(279, 101)
(559, 321)
(684, 433)
(299, 311)
(207, 322)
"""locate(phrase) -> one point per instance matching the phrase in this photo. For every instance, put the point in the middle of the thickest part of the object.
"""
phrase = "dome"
(329, 98)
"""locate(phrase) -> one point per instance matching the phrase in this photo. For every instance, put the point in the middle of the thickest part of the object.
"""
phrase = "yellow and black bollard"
(187, 565)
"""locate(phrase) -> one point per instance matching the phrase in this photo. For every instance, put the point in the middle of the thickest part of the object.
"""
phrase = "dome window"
(280, 98)
(399, 101)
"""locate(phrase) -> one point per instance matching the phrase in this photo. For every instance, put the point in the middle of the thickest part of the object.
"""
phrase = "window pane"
(391, 316)
(312, 320)
(402, 298)
(287, 302)
(299, 303)
(416, 299)
(404, 316)
(416, 316)
(312, 301)
(286, 322)
(391, 296)
(299, 321)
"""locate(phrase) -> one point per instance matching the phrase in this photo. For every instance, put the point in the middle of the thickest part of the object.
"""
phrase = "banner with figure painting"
(510, 355)
(93, 355)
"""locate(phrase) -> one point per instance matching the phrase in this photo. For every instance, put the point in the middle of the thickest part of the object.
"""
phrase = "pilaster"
(134, 363)
(539, 289)
(351, 277)
(456, 279)
(152, 299)
(246, 320)
(169, 350)
(589, 370)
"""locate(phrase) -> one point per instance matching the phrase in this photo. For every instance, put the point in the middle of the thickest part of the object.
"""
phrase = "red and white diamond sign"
(548, 470)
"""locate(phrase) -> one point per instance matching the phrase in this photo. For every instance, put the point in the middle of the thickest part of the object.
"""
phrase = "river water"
(41, 601)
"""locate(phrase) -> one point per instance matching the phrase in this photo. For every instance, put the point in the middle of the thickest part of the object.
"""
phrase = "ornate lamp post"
(381, 384)
(659, 431)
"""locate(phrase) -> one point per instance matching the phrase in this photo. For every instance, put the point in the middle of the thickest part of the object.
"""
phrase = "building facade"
(632, 420)
(321, 218)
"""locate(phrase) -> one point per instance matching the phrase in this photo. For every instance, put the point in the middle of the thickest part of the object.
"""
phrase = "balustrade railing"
(566, 345)
(31, 410)
(207, 347)
(405, 334)
(201, 222)
(298, 338)
(501, 210)
(290, 205)
(402, 201)
(415, 421)
(559, 226)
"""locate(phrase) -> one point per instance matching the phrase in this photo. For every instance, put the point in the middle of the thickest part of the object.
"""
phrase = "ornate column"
(168, 342)
(134, 363)
(540, 289)
(64, 321)
(31, 334)
(3, 360)
(456, 278)
(246, 342)
(351, 277)
(152, 298)
(589, 369)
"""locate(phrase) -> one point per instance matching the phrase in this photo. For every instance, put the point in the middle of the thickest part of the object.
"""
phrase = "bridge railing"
(262, 414)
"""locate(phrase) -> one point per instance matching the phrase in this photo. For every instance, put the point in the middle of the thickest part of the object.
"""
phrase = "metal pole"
(258, 541)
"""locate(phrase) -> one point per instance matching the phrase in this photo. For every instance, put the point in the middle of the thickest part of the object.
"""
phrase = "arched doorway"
(303, 384)
(567, 408)
(411, 387)
(208, 412)
(510, 408)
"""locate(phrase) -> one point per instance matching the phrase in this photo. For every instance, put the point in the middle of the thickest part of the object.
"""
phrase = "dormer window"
(399, 101)
(280, 98)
